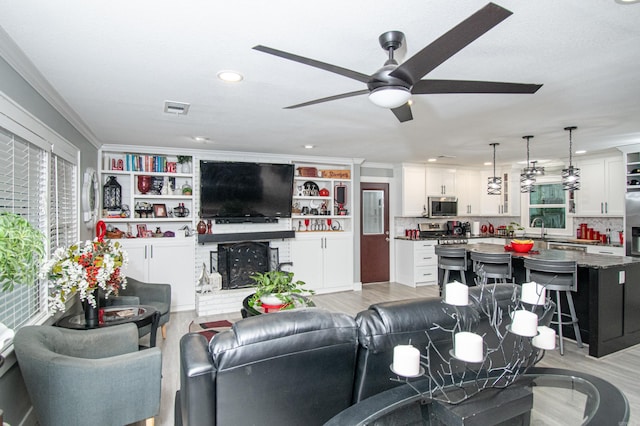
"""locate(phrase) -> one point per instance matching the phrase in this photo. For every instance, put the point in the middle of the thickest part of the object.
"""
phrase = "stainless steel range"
(439, 231)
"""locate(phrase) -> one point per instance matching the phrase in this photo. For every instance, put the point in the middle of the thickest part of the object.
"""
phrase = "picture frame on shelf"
(142, 230)
(159, 210)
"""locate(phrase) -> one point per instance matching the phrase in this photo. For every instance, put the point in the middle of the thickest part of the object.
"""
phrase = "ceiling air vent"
(180, 108)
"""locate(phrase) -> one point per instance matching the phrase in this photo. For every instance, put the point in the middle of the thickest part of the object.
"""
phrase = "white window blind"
(23, 191)
(63, 221)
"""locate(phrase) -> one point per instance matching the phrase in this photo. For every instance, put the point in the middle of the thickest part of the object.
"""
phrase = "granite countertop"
(507, 239)
(586, 260)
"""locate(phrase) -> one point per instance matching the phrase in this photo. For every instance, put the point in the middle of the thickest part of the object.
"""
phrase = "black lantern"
(112, 194)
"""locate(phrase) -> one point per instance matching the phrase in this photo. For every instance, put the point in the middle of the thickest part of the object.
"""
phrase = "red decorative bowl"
(521, 247)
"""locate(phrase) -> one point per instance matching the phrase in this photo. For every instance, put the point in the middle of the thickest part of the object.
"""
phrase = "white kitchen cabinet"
(164, 260)
(505, 204)
(416, 262)
(468, 192)
(323, 260)
(440, 181)
(606, 250)
(413, 190)
(602, 187)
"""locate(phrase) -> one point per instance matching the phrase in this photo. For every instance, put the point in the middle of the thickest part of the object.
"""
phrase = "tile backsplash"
(598, 223)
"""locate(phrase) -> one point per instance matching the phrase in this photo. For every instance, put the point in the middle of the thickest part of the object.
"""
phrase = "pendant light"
(528, 175)
(494, 183)
(571, 175)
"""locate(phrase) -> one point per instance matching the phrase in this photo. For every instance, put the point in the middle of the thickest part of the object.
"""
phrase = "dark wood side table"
(141, 315)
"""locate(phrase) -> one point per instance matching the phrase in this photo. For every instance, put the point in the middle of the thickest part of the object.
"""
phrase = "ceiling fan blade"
(425, 87)
(312, 62)
(330, 98)
(426, 60)
(403, 113)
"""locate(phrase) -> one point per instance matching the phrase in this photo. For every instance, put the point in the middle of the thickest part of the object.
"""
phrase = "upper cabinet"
(505, 204)
(440, 181)
(467, 192)
(413, 190)
(602, 187)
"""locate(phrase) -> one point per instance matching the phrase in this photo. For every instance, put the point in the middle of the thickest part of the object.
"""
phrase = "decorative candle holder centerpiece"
(477, 361)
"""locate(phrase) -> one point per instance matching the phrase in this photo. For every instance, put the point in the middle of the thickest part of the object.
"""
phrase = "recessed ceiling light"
(581, 151)
(627, 1)
(201, 139)
(432, 160)
(308, 146)
(230, 76)
(487, 163)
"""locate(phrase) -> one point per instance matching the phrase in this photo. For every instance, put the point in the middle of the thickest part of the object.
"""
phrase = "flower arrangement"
(85, 267)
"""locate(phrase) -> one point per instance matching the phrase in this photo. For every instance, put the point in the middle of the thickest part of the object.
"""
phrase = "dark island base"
(608, 310)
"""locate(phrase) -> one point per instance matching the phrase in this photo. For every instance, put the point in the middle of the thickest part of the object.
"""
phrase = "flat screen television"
(245, 192)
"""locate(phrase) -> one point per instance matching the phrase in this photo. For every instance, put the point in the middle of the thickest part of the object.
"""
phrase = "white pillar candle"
(406, 360)
(546, 338)
(524, 323)
(456, 294)
(468, 346)
(533, 293)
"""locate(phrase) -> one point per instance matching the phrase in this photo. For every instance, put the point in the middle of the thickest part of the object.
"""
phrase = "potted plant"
(21, 249)
(515, 229)
(277, 289)
(185, 163)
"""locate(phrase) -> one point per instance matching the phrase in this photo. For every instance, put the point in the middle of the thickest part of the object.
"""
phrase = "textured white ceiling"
(115, 63)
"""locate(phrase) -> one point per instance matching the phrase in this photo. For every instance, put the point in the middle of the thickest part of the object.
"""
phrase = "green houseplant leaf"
(21, 249)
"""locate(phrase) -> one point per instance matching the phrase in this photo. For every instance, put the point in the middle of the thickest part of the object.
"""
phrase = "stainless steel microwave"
(442, 206)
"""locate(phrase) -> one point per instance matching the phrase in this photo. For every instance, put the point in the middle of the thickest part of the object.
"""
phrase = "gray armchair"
(141, 293)
(80, 377)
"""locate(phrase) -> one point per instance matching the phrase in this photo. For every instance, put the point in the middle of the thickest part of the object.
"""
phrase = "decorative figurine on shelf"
(209, 226)
(112, 194)
(144, 184)
(202, 227)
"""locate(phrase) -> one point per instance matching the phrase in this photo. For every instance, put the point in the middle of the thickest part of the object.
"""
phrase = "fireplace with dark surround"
(238, 261)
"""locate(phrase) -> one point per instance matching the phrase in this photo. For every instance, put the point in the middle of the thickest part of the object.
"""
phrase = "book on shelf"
(146, 163)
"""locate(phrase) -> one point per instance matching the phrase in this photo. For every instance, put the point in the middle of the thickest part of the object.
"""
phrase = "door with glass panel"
(374, 232)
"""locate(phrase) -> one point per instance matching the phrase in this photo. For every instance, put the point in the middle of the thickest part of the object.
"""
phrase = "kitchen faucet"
(533, 224)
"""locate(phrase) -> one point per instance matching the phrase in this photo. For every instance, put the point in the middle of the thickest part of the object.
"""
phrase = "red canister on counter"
(583, 231)
(579, 233)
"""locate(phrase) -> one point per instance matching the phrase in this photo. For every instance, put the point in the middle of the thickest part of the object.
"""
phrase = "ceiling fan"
(392, 85)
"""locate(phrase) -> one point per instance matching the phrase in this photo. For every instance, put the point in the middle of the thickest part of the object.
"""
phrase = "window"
(22, 191)
(547, 206)
(38, 182)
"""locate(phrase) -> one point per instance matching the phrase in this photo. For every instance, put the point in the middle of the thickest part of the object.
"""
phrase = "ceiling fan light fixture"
(390, 96)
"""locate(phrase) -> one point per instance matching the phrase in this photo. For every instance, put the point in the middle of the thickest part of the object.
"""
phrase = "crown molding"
(24, 67)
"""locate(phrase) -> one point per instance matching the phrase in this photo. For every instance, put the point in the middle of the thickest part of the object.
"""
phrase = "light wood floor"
(620, 368)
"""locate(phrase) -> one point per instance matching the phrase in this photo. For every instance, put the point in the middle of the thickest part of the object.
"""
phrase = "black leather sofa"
(306, 366)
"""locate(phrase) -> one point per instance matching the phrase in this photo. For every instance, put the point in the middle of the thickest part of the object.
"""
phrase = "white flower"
(83, 268)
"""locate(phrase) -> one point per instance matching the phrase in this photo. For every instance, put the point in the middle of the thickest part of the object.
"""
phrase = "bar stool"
(495, 265)
(560, 276)
(451, 259)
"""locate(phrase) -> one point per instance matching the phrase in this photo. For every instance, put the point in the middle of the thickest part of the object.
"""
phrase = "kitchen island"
(608, 297)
